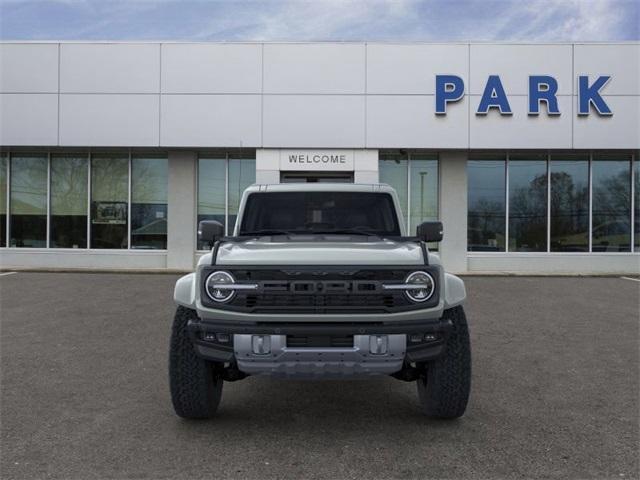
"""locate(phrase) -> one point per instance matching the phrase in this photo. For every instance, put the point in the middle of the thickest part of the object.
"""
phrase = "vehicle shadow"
(327, 404)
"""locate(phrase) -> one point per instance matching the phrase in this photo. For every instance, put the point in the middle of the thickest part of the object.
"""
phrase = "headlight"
(425, 286)
(214, 286)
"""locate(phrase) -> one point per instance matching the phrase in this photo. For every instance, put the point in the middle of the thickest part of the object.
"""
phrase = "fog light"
(415, 338)
(261, 344)
(378, 344)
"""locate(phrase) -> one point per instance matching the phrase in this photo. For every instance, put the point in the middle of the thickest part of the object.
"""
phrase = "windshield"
(320, 212)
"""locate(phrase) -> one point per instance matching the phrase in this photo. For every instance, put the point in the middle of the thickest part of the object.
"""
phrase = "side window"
(149, 185)
(28, 223)
(109, 201)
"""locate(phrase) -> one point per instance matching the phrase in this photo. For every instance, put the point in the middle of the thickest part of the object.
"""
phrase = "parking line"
(632, 279)
(7, 273)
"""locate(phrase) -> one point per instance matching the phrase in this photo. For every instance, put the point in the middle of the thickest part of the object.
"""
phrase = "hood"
(320, 250)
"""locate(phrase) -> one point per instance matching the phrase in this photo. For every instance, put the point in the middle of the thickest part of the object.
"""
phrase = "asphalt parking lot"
(84, 392)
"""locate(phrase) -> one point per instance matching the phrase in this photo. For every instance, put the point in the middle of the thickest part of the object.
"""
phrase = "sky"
(321, 20)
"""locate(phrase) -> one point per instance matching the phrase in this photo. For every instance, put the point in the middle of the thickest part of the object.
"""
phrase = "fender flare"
(184, 292)
(455, 292)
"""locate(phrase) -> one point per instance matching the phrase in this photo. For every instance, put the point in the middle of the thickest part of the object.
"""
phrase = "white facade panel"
(514, 64)
(620, 130)
(28, 68)
(77, 258)
(409, 121)
(555, 263)
(109, 68)
(411, 69)
(308, 121)
(28, 119)
(109, 120)
(221, 68)
(621, 62)
(314, 68)
(210, 120)
(521, 130)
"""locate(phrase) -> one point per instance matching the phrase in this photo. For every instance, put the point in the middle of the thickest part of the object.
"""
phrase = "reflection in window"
(486, 200)
(393, 171)
(211, 190)
(109, 196)
(28, 201)
(611, 231)
(569, 203)
(636, 201)
(242, 173)
(424, 190)
(528, 203)
(69, 202)
(3, 199)
(149, 177)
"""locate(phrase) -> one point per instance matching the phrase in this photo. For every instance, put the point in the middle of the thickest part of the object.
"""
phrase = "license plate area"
(319, 341)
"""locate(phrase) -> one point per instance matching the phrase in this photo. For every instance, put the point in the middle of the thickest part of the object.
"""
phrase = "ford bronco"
(319, 281)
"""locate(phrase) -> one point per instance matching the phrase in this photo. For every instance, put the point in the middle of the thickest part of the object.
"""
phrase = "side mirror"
(430, 231)
(209, 231)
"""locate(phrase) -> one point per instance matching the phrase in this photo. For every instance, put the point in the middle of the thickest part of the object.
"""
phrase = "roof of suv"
(321, 187)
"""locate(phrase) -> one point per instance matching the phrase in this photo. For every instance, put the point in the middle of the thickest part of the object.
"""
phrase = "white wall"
(182, 209)
(311, 95)
(17, 258)
(555, 263)
(452, 204)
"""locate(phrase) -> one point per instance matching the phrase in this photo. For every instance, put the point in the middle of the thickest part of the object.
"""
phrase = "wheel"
(196, 385)
(443, 388)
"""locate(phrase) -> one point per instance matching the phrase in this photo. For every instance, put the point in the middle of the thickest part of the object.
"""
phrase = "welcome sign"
(317, 160)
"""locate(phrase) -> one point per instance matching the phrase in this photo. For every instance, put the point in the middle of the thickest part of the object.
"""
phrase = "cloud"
(326, 20)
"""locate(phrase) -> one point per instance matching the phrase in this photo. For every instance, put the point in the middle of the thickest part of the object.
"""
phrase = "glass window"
(211, 190)
(611, 229)
(28, 201)
(69, 201)
(342, 213)
(528, 203)
(149, 177)
(487, 205)
(393, 171)
(3, 199)
(109, 197)
(242, 173)
(636, 201)
(569, 203)
(424, 190)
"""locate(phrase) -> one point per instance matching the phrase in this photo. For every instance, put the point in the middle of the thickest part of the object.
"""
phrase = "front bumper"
(320, 361)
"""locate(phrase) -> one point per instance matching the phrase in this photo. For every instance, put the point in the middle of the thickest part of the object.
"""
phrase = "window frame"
(90, 155)
(133, 158)
(225, 157)
(26, 153)
(633, 159)
(409, 154)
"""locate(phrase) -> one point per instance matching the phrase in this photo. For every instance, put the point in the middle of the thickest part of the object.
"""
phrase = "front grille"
(318, 289)
(317, 303)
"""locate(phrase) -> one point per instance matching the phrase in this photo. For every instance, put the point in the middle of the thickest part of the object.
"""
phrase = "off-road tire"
(443, 388)
(196, 385)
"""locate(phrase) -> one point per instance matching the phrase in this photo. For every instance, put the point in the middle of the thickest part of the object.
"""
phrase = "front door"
(316, 177)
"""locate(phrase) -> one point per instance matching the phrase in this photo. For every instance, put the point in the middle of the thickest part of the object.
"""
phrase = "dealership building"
(110, 153)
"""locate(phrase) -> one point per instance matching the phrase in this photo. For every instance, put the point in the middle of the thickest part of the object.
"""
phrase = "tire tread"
(195, 388)
(444, 390)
